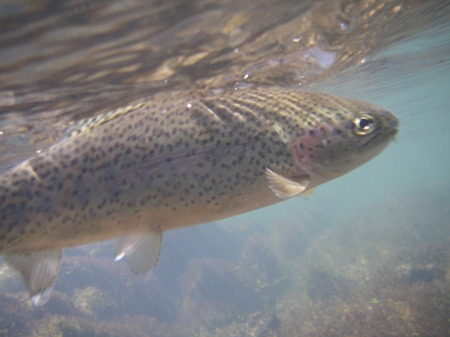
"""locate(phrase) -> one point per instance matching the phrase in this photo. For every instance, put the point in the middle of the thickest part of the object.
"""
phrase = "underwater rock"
(386, 276)
(322, 285)
(71, 326)
(102, 288)
(428, 273)
(259, 324)
(213, 295)
(15, 316)
(91, 300)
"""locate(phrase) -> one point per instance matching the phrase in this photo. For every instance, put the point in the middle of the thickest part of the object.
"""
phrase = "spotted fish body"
(173, 161)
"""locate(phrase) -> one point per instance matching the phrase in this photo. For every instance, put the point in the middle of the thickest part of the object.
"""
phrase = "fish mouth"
(383, 138)
(393, 135)
(391, 124)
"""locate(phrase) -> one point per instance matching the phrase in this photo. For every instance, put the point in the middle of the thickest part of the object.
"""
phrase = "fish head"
(341, 135)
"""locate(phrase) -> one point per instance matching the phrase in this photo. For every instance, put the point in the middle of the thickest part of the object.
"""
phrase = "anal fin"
(141, 251)
(38, 270)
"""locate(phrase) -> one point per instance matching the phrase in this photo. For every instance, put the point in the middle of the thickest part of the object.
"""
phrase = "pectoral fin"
(38, 270)
(141, 251)
(283, 187)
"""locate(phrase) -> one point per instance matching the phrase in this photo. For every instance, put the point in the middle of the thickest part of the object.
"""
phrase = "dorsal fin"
(87, 124)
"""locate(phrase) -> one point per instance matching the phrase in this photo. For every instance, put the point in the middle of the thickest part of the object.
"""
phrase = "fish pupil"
(363, 125)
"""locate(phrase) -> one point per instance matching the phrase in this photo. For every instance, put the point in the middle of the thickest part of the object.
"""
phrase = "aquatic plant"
(384, 305)
(212, 293)
(386, 275)
(70, 326)
(14, 315)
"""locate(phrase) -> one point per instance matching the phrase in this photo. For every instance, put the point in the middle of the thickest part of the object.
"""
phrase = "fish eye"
(364, 125)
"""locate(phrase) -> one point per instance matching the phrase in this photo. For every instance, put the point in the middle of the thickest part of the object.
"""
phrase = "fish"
(177, 160)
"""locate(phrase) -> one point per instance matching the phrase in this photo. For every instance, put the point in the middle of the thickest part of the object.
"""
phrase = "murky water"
(366, 255)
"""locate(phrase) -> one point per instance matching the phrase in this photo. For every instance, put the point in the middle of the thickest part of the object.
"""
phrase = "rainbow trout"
(174, 161)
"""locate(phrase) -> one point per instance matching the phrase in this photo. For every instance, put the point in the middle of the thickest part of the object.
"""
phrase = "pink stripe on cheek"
(309, 146)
